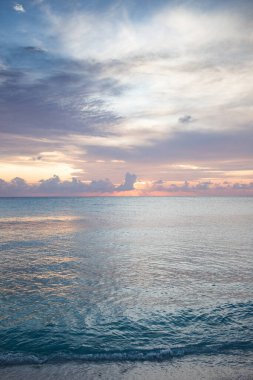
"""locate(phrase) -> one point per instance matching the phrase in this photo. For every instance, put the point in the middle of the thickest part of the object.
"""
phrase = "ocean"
(126, 287)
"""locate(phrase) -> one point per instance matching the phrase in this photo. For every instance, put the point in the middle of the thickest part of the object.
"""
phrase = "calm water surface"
(125, 279)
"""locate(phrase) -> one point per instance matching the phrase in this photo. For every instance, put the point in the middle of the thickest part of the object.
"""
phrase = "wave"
(157, 337)
(155, 354)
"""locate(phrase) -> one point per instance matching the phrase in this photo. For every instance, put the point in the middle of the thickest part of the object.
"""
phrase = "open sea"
(126, 288)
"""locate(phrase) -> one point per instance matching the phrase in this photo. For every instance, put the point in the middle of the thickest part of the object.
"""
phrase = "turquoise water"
(125, 279)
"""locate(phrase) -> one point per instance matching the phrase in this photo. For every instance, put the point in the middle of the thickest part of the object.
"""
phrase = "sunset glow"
(94, 91)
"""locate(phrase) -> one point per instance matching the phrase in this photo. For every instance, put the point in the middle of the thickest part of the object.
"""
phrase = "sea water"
(126, 280)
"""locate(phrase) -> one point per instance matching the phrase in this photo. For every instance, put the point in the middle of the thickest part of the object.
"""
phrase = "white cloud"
(176, 62)
(19, 8)
(171, 32)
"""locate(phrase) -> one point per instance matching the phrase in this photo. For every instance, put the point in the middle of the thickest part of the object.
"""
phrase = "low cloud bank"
(203, 188)
(54, 186)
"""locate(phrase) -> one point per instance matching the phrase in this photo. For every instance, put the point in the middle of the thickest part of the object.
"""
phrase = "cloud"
(75, 187)
(191, 30)
(67, 99)
(113, 81)
(34, 49)
(101, 186)
(184, 146)
(54, 186)
(243, 186)
(19, 8)
(185, 119)
(15, 187)
(202, 188)
(128, 184)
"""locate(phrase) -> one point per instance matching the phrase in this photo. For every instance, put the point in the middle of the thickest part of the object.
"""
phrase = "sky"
(136, 97)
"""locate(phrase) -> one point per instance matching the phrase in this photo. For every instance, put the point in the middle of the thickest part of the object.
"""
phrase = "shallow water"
(126, 280)
(197, 368)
